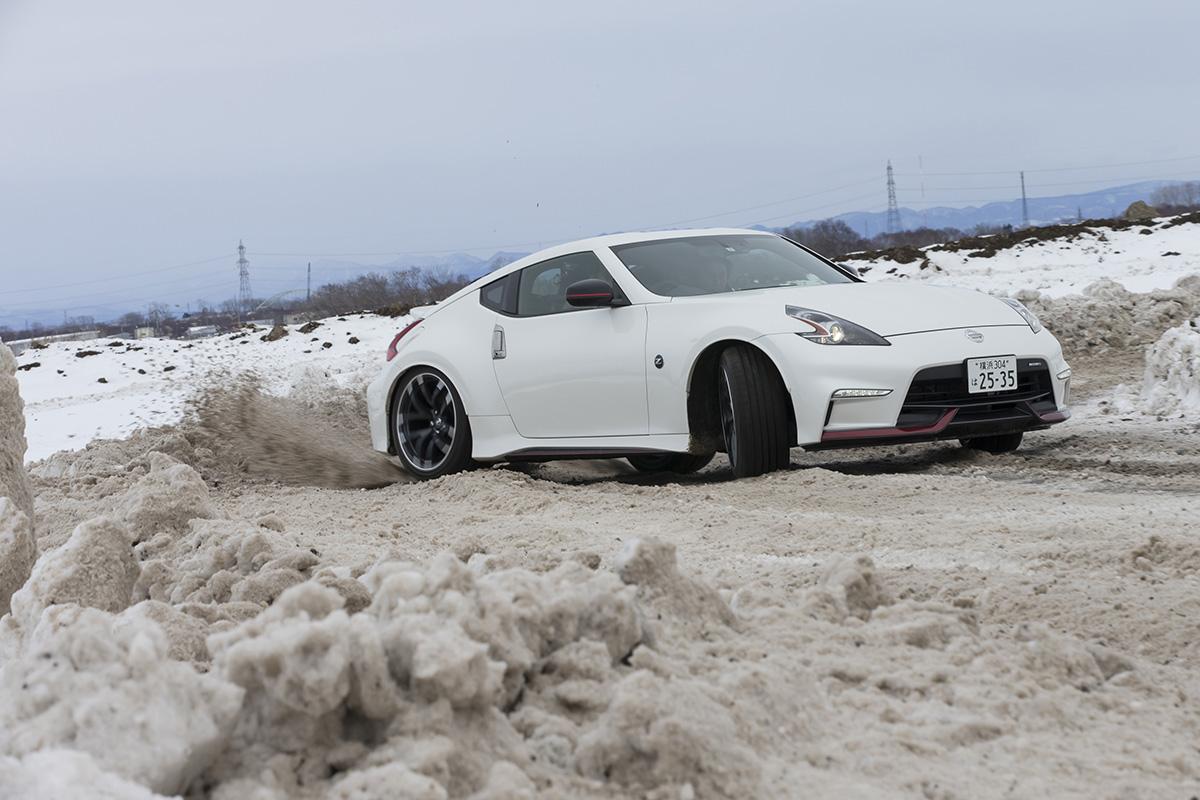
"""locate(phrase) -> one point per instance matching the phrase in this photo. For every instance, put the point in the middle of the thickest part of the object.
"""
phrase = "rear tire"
(1000, 443)
(679, 463)
(430, 428)
(753, 408)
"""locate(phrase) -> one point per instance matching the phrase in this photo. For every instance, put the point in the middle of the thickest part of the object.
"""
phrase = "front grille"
(935, 390)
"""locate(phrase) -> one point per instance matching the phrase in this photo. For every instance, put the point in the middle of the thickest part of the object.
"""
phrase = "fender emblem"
(974, 335)
(658, 361)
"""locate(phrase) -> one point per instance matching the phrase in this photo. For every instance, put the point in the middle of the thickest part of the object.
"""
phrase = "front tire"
(679, 463)
(754, 419)
(430, 428)
(1000, 443)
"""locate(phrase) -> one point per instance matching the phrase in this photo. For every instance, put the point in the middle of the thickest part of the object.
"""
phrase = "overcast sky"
(138, 135)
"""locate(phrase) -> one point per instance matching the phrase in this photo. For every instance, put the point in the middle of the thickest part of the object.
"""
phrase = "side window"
(543, 287)
(501, 295)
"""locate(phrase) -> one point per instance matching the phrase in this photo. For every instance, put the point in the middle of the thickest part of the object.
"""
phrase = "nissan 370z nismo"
(666, 348)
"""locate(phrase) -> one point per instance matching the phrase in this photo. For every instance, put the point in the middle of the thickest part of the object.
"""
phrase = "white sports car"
(665, 348)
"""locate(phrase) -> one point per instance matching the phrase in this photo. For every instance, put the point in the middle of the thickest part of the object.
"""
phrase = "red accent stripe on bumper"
(882, 433)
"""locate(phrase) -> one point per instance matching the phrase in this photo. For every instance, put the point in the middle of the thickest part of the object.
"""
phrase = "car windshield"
(697, 265)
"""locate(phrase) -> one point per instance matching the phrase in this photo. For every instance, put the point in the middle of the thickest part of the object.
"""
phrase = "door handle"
(498, 349)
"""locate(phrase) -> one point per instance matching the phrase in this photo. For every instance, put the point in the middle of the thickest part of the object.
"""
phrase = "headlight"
(1035, 324)
(828, 329)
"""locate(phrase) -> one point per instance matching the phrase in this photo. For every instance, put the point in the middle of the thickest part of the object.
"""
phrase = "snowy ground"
(1142, 258)
(147, 382)
(921, 621)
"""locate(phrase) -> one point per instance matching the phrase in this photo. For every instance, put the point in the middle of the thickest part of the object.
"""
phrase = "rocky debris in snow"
(86, 353)
(309, 327)
(276, 333)
(17, 545)
(29, 366)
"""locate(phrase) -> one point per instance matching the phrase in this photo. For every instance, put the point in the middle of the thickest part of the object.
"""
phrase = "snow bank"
(1171, 386)
(17, 546)
(1106, 315)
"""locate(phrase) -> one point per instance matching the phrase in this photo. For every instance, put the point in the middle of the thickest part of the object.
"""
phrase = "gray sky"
(141, 134)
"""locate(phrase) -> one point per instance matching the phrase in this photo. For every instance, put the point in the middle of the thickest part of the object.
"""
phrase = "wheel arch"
(703, 415)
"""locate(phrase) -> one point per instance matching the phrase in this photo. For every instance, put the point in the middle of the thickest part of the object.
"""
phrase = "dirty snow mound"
(87, 683)
(65, 775)
(17, 546)
(1106, 315)
(1171, 386)
(169, 496)
(95, 568)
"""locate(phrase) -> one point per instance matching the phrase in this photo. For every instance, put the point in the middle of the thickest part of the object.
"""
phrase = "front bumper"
(926, 375)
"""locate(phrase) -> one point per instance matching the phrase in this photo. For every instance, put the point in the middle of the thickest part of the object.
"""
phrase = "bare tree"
(1177, 197)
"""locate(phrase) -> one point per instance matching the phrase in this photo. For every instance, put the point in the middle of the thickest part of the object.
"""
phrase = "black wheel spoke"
(426, 421)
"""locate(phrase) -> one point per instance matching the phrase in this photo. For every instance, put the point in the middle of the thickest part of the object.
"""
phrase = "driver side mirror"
(592, 293)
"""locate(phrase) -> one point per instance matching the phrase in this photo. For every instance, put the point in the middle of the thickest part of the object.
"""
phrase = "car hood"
(888, 308)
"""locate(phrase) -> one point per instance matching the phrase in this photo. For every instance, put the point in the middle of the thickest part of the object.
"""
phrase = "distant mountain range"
(1102, 203)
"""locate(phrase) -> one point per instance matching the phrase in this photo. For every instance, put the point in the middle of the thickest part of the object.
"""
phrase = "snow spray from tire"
(289, 440)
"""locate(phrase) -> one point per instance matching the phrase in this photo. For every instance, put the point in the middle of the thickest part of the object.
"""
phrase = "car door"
(567, 372)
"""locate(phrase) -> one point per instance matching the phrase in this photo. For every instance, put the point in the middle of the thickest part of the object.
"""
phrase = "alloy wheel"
(426, 421)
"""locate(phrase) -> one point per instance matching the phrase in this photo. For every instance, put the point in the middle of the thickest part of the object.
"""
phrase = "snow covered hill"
(1141, 258)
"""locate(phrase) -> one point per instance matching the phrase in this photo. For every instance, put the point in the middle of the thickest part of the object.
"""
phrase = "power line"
(794, 214)
(118, 277)
(1055, 184)
(1069, 169)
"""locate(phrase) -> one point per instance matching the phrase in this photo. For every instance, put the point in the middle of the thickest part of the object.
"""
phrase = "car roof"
(592, 243)
(616, 239)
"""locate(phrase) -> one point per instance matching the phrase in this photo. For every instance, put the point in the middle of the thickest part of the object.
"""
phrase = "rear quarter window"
(501, 295)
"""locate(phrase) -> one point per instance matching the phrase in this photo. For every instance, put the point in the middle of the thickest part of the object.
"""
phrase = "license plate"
(993, 374)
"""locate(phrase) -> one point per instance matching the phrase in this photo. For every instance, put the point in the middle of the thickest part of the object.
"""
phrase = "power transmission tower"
(244, 295)
(893, 210)
(308, 293)
(1024, 203)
